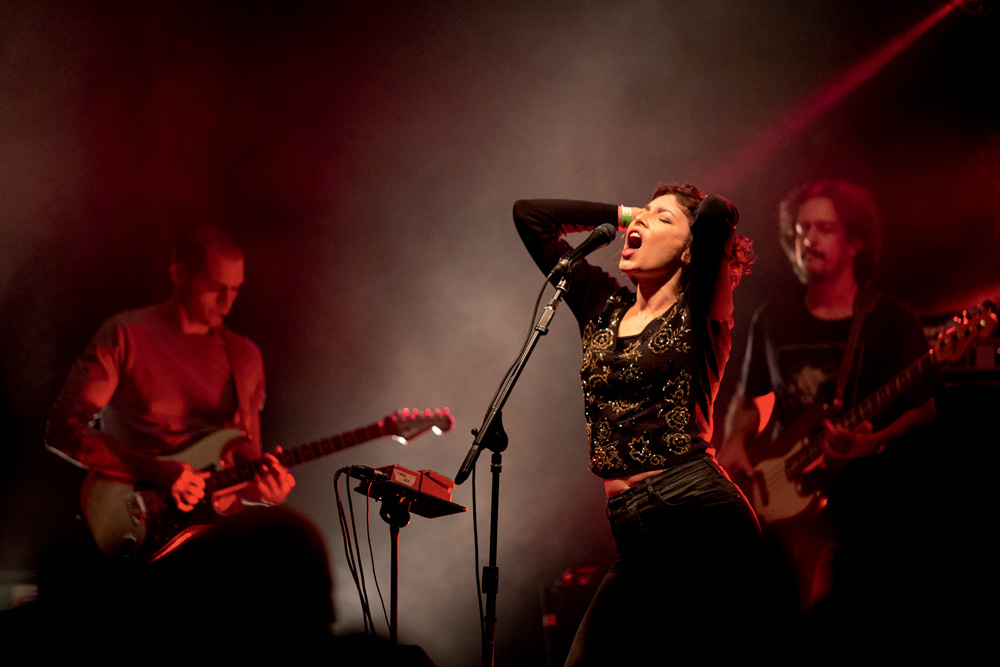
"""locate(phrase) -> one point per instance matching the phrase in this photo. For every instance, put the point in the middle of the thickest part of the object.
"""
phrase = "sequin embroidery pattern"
(643, 421)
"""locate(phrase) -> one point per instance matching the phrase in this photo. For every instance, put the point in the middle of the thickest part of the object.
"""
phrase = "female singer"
(652, 362)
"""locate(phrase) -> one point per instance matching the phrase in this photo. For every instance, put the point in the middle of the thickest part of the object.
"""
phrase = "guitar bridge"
(137, 509)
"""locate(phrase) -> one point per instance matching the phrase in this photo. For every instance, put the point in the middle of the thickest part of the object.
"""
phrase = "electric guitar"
(775, 487)
(129, 518)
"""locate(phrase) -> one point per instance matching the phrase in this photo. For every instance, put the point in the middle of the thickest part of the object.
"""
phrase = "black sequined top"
(647, 398)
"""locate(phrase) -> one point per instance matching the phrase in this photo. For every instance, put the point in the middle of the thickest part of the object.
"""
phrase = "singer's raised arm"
(541, 224)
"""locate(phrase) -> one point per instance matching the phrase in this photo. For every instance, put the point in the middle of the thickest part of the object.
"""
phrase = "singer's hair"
(194, 243)
(687, 195)
(856, 209)
(741, 254)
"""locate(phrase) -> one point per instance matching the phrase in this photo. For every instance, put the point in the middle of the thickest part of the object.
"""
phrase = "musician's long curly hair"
(856, 209)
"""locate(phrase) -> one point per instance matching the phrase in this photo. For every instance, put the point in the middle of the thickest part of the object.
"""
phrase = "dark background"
(367, 156)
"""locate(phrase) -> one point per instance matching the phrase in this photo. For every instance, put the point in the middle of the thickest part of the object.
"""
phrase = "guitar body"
(774, 496)
(128, 518)
(774, 487)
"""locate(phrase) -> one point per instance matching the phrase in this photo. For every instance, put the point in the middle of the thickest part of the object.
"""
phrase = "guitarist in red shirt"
(795, 364)
(159, 378)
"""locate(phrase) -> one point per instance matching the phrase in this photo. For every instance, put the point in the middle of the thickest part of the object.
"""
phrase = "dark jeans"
(687, 544)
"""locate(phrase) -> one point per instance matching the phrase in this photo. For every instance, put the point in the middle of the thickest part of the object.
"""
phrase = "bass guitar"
(775, 486)
(129, 518)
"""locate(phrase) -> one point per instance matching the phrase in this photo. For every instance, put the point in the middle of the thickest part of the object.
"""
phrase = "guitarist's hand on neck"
(843, 443)
(271, 485)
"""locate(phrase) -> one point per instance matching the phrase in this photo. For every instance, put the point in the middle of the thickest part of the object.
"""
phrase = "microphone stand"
(491, 436)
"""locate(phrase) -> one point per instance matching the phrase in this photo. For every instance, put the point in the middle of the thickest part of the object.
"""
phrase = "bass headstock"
(972, 325)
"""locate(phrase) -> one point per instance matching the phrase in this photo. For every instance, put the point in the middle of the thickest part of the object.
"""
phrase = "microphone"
(600, 237)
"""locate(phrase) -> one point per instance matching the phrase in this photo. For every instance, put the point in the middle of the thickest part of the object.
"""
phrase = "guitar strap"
(863, 301)
(239, 363)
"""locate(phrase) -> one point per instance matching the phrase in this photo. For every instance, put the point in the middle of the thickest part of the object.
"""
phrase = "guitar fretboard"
(245, 471)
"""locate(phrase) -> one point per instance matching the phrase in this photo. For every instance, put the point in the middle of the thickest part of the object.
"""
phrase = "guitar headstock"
(408, 424)
(953, 344)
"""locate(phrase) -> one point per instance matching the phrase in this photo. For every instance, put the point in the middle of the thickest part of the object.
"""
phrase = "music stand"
(398, 500)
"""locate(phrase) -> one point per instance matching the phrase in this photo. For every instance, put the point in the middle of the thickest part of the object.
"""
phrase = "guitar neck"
(245, 471)
(887, 394)
(882, 398)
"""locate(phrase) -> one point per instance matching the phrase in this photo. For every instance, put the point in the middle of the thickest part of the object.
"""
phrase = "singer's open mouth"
(633, 240)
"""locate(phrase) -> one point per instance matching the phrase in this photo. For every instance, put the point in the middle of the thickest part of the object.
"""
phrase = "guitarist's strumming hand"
(188, 486)
(745, 420)
(843, 443)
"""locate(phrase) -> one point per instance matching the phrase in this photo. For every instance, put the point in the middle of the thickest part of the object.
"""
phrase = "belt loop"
(649, 482)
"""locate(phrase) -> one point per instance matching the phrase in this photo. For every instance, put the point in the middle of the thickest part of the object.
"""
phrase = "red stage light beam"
(756, 151)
